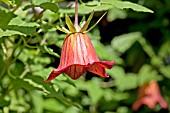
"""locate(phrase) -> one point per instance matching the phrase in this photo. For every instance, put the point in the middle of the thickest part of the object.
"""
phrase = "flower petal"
(75, 71)
(53, 74)
(106, 64)
(98, 69)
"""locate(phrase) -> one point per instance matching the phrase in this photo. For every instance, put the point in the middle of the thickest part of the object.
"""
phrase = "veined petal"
(106, 64)
(78, 56)
(77, 49)
(53, 74)
(75, 71)
(99, 69)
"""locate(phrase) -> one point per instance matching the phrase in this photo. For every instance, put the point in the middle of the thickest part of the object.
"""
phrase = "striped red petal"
(78, 56)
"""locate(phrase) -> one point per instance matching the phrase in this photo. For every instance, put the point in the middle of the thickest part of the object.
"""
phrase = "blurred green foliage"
(30, 46)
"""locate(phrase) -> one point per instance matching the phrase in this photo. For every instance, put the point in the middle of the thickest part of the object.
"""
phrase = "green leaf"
(165, 71)
(147, 47)
(127, 5)
(39, 81)
(51, 102)
(102, 7)
(21, 83)
(5, 18)
(3, 103)
(18, 2)
(10, 33)
(22, 29)
(126, 82)
(92, 91)
(104, 52)
(92, 3)
(57, 1)
(26, 28)
(116, 72)
(146, 74)
(115, 13)
(110, 95)
(38, 101)
(85, 9)
(38, 2)
(19, 22)
(51, 6)
(164, 49)
(124, 42)
(16, 69)
(45, 49)
(85, 26)
(70, 24)
(8, 2)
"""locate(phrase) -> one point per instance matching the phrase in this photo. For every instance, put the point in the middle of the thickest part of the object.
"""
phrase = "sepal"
(70, 24)
(85, 26)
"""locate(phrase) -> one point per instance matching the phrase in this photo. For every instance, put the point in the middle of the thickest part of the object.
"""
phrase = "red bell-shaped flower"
(78, 56)
(150, 95)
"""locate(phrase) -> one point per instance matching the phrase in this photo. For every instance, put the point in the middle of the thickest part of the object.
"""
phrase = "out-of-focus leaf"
(165, 49)
(8, 2)
(57, 1)
(42, 60)
(92, 91)
(50, 91)
(43, 72)
(103, 51)
(110, 94)
(59, 95)
(122, 109)
(51, 37)
(116, 72)
(146, 47)
(5, 18)
(38, 101)
(115, 13)
(16, 69)
(127, 5)
(20, 83)
(4, 103)
(51, 6)
(165, 71)
(36, 67)
(49, 104)
(40, 82)
(127, 82)
(124, 42)
(146, 74)
(18, 2)
(72, 110)
(38, 2)
(102, 7)
(50, 16)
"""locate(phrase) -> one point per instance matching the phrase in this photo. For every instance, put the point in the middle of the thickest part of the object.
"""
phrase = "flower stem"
(76, 14)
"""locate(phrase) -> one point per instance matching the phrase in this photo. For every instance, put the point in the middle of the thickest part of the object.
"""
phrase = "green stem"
(76, 14)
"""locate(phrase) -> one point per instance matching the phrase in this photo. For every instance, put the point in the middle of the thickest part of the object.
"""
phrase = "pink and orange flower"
(78, 55)
(149, 95)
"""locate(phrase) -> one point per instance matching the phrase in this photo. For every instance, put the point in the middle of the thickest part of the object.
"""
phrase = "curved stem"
(76, 14)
